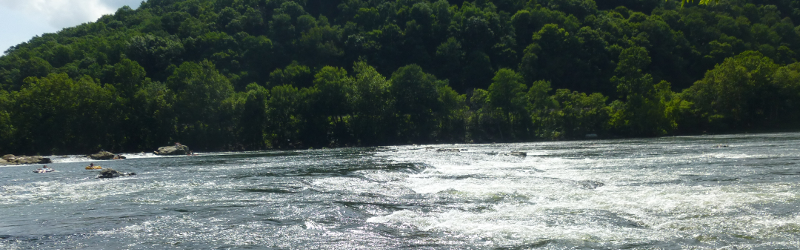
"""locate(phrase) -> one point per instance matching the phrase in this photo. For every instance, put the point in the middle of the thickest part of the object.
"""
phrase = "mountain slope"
(248, 74)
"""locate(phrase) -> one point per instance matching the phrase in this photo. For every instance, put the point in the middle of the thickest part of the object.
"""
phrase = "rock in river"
(105, 155)
(111, 173)
(173, 150)
(20, 160)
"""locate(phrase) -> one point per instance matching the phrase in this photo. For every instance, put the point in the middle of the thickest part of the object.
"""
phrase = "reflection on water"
(707, 192)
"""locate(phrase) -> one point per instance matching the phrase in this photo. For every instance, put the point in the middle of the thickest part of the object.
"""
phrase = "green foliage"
(252, 126)
(283, 114)
(294, 74)
(335, 89)
(746, 91)
(372, 106)
(577, 114)
(507, 95)
(56, 114)
(200, 91)
(154, 118)
(416, 97)
(643, 112)
(154, 52)
(7, 130)
(250, 74)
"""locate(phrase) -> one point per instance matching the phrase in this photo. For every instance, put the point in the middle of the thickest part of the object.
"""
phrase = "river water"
(703, 192)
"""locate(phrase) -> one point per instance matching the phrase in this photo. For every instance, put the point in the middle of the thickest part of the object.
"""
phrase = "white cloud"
(20, 20)
(66, 13)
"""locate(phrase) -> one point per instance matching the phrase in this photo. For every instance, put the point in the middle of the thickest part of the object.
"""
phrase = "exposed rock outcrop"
(587, 184)
(173, 150)
(105, 155)
(21, 160)
(451, 150)
(518, 153)
(111, 173)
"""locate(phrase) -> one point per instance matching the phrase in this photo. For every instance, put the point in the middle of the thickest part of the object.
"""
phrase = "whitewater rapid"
(702, 192)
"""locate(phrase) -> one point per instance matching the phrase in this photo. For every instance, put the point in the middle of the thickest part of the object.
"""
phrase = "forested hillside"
(257, 74)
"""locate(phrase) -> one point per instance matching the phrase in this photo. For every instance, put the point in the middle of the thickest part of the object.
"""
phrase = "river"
(701, 192)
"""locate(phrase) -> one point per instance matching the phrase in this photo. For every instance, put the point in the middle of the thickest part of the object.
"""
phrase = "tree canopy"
(259, 74)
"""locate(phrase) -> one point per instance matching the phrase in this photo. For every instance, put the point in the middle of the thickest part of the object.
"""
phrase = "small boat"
(93, 167)
(42, 171)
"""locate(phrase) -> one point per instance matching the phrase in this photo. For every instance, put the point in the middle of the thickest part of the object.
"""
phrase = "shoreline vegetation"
(231, 75)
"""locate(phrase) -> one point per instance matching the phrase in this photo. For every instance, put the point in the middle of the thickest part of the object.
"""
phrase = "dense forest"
(259, 74)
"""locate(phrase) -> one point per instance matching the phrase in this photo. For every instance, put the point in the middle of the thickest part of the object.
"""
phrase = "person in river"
(43, 170)
(91, 165)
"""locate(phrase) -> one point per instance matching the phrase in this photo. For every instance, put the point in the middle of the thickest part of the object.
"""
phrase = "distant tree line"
(260, 74)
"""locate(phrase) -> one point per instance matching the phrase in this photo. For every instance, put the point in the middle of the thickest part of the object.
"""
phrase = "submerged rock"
(172, 150)
(20, 160)
(587, 184)
(452, 150)
(111, 173)
(517, 153)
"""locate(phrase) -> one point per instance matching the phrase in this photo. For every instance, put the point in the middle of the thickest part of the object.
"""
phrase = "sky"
(21, 20)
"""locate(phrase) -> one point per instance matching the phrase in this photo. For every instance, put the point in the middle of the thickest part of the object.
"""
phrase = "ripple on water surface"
(707, 192)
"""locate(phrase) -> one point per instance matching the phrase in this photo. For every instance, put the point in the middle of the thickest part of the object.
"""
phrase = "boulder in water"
(105, 155)
(587, 184)
(451, 150)
(517, 153)
(111, 173)
(20, 160)
(173, 150)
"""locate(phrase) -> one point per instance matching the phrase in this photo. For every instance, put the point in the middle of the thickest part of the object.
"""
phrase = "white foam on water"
(549, 201)
(139, 155)
(61, 192)
(358, 186)
(8, 245)
(187, 230)
(69, 158)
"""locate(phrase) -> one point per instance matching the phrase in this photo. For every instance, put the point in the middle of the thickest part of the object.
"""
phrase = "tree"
(577, 114)
(283, 112)
(704, 2)
(372, 106)
(253, 121)
(83, 110)
(128, 76)
(200, 91)
(643, 112)
(615, 64)
(416, 98)
(7, 130)
(335, 89)
(155, 53)
(743, 92)
(507, 95)
(328, 104)
(154, 116)
(294, 74)
(540, 104)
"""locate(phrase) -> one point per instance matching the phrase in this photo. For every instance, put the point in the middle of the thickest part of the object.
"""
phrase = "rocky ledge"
(173, 150)
(21, 160)
(105, 155)
(111, 173)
